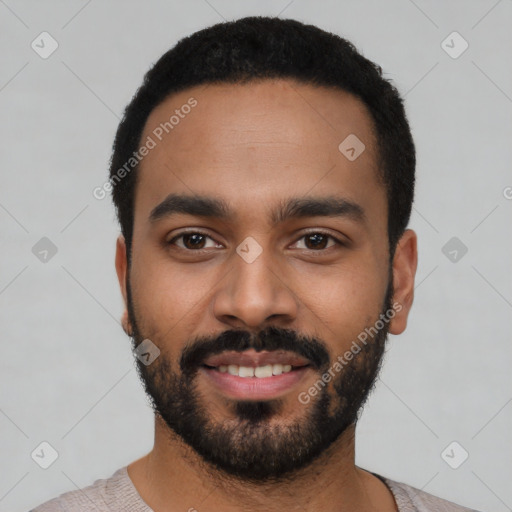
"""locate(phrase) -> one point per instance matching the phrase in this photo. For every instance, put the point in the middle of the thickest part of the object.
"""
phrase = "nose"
(254, 294)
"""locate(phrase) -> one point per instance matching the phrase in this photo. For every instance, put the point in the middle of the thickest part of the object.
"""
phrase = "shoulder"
(410, 499)
(114, 493)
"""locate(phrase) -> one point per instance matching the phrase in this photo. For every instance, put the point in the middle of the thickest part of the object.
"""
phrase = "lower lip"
(254, 388)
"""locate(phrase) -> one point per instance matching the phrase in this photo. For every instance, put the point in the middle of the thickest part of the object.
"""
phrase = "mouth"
(252, 375)
(260, 372)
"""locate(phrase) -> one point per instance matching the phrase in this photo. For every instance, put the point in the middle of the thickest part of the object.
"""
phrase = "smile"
(252, 375)
(259, 372)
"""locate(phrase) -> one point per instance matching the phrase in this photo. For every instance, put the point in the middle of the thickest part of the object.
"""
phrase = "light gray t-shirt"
(118, 493)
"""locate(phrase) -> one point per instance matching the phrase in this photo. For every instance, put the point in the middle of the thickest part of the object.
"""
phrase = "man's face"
(261, 288)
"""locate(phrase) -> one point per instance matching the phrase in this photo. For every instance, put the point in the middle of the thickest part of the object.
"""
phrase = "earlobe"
(405, 263)
(122, 275)
(125, 323)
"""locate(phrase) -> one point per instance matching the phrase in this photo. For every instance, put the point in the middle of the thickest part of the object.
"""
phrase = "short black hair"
(255, 48)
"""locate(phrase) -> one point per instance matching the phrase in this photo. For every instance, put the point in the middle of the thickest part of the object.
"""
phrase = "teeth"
(263, 371)
(277, 369)
(258, 372)
(245, 371)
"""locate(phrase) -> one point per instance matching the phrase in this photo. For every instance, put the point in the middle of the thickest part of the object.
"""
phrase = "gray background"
(67, 371)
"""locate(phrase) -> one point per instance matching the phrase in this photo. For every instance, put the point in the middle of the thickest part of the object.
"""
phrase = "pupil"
(195, 238)
(316, 237)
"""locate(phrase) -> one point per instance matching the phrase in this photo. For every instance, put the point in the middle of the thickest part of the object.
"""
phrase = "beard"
(254, 443)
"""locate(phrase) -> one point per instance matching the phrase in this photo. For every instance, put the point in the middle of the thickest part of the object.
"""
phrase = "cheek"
(347, 303)
(166, 294)
(163, 299)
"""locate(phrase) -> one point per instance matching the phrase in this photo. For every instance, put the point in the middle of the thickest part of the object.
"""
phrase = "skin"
(254, 145)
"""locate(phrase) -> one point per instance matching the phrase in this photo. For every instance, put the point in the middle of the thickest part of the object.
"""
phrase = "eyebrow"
(296, 207)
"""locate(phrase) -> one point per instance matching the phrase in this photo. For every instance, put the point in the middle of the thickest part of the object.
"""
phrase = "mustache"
(270, 339)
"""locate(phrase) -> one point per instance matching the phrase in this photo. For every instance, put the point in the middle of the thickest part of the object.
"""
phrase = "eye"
(192, 240)
(317, 240)
(197, 241)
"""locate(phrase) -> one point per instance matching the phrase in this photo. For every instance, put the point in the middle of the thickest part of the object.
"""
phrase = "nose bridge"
(253, 290)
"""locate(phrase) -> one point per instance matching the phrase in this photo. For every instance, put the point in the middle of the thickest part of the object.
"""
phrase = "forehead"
(259, 142)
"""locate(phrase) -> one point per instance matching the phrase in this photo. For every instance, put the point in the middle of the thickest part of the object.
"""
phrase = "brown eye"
(191, 241)
(318, 241)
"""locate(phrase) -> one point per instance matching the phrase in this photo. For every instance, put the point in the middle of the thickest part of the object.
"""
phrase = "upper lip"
(252, 358)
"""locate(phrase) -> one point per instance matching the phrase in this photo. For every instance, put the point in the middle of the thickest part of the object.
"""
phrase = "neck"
(174, 477)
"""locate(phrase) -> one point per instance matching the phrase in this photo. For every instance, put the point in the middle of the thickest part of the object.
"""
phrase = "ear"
(405, 262)
(122, 274)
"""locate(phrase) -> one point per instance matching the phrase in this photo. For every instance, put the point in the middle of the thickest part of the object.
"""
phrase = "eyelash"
(184, 233)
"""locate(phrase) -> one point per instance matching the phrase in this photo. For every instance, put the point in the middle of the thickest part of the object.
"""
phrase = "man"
(263, 177)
